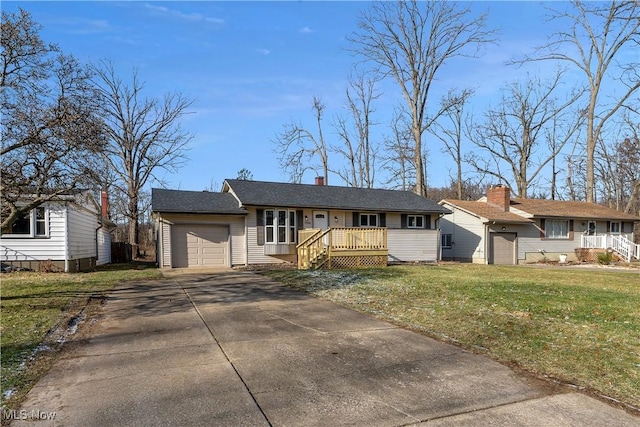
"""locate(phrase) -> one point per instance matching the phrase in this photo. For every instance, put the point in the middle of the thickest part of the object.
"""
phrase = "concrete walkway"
(232, 348)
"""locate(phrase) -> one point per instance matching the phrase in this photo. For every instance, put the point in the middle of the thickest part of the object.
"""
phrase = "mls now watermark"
(24, 415)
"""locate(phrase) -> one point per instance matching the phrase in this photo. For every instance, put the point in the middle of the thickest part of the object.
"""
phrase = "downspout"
(246, 242)
(97, 247)
(486, 244)
(66, 238)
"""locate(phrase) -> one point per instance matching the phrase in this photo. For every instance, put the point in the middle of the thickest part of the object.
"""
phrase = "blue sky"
(252, 67)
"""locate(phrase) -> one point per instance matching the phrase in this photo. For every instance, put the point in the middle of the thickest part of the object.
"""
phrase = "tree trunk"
(133, 224)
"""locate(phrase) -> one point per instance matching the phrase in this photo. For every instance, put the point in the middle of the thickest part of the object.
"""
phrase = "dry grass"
(39, 310)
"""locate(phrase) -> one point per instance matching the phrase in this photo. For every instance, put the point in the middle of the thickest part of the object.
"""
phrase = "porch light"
(335, 218)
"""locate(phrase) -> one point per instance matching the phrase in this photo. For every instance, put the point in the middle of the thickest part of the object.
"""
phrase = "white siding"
(82, 233)
(413, 244)
(39, 248)
(104, 247)
(166, 245)
(467, 236)
(256, 252)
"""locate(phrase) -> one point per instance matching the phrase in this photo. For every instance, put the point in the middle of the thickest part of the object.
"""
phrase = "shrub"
(605, 258)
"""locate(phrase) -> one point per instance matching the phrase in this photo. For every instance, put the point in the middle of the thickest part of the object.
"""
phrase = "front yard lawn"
(39, 310)
(580, 327)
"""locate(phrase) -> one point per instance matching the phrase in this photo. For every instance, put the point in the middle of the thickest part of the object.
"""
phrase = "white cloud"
(305, 30)
(264, 51)
(194, 17)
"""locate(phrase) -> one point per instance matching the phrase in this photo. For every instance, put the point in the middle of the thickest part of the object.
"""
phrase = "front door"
(321, 219)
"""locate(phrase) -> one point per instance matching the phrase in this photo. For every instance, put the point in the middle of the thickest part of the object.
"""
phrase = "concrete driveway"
(232, 348)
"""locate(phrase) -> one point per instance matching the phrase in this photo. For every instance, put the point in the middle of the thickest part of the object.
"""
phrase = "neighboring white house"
(255, 222)
(499, 230)
(69, 234)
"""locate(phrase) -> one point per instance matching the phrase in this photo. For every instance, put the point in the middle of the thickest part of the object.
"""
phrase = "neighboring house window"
(446, 241)
(591, 228)
(615, 227)
(33, 224)
(280, 226)
(557, 229)
(368, 220)
(415, 221)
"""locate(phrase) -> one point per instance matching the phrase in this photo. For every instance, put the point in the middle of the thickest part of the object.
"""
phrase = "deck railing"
(318, 246)
(355, 238)
(618, 242)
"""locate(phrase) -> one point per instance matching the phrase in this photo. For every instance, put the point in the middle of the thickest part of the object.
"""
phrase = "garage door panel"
(200, 245)
(213, 251)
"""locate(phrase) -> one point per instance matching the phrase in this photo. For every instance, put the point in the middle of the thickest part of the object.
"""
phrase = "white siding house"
(68, 234)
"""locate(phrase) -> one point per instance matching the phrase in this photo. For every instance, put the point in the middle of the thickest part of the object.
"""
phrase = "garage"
(197, 245)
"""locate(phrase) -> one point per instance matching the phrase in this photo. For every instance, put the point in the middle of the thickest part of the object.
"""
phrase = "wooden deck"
(342, 247)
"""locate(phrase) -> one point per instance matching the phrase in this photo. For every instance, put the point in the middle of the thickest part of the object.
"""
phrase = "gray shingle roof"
(179, 201)
(277, 194)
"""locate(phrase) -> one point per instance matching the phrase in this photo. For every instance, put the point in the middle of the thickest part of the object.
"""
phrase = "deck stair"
(620, 244)
(342, 247)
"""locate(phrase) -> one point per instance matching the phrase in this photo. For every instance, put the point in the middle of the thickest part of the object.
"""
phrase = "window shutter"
(260, 227)
(383, 219)
(427, 221)
(608, 226)
(299, 220)
(542, 230)
(570, 229)
(356, 219)
(403, 221)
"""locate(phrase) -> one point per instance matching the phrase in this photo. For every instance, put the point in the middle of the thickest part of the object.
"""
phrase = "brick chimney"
(499, 196)
(104, 202)
(319, 180)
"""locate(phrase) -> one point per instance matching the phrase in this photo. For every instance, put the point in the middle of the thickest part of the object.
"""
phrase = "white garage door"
(196, 246)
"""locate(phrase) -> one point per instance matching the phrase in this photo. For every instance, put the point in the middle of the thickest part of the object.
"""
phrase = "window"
(33, 224)
(446, 241)
(368, 220)
(556, 229)
(615, 227)
(591, 228)
(292, 226)
(415, 221)
(280, 226)
(269, 226)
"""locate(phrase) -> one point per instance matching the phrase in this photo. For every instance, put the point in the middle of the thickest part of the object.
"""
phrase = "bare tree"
(515, 132)
(398, 161)
(450, 130)
(144, 136)
(618, 169)
(298, 148)
(411, 41)
(49, 126)
(593, 40)
(357, 148)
